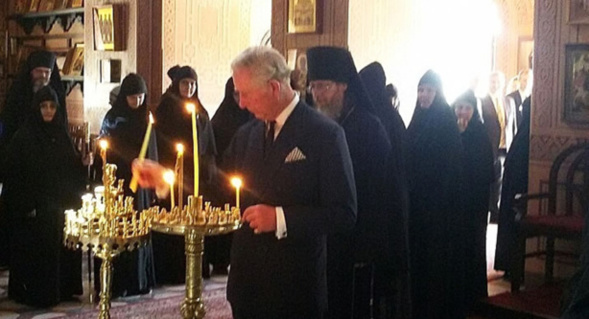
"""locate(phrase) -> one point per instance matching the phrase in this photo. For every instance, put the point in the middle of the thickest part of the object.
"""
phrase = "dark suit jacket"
(285, 278)
(517, 100)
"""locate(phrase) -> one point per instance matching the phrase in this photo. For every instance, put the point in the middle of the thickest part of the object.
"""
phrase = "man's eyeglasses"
(320, 87)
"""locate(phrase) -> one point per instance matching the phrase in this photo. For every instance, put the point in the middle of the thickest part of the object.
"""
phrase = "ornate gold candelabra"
(108, 225)
(195, 222)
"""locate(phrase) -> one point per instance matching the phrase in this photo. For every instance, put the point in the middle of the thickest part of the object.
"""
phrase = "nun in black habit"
(353, 257)
(478, 176)
(394, 284)
(44, 177)
(434, 159)
(32, 75)
(175, 126)
(124, 127)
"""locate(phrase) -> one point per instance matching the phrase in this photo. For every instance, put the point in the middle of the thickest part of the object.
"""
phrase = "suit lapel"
(284, 143)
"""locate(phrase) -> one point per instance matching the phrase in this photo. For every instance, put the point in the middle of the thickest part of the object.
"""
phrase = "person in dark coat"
(392, 280)
(175, 126)
(352, 258)
(434, 162)
(478, 177)
(226, 121)
(39, 70)
(124, 128)
(299, 187)
(45, 176)
(515, 181)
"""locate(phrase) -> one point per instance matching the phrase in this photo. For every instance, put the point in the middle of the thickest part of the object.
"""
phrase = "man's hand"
(150, 174)
(261, 218)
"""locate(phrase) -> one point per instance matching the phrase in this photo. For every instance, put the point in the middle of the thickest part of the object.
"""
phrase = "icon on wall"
(304, 16)
(108, 27)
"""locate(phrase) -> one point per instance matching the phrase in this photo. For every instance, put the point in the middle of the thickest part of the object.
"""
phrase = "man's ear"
(276, 87)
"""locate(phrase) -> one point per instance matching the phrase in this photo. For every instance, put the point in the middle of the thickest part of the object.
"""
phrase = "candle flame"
(103, 144)
(191, 107)
(151, 120)
(236, 182)
(169, 177)
(180, 148)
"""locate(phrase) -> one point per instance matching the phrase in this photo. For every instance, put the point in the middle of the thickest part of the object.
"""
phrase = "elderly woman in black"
(124, 127)
(434, 164)
(45, 175)
(478, 176)
(175, 126)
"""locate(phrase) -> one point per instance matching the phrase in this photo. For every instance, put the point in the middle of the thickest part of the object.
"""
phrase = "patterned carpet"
(162, 303)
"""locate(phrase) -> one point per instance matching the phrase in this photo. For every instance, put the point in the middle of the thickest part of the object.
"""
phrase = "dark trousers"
(239, 313)
(495, 197)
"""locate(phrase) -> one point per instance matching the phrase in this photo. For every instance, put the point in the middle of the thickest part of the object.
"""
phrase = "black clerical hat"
(41, 58)
(336, 64)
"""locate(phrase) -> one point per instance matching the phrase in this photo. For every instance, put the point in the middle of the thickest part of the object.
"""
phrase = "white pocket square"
(295, 155)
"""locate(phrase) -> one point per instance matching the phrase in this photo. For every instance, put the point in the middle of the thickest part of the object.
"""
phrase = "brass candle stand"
(107, 224)
(195, 222)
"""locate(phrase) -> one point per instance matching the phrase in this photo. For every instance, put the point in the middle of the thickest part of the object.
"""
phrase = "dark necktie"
(269, 138)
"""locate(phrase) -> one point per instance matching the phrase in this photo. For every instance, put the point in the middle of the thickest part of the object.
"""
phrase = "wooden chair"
(566, 200)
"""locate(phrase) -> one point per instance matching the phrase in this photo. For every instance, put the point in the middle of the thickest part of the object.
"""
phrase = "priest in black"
(124, 128)
(392, 279)
(478, 176)
(45, 175)
(175, 126)
(353, 257)
(435, 218)
(38, 71)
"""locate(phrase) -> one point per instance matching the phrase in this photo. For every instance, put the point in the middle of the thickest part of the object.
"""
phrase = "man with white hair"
(299, 188)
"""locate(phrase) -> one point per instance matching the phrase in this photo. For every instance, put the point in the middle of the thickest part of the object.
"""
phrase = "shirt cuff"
(280, 223)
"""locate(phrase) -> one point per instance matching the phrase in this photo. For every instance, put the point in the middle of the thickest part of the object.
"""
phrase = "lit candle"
(192, 109)
(180, 172)
(236, 182)
(169, 178)
(103, 146)
(143, 151)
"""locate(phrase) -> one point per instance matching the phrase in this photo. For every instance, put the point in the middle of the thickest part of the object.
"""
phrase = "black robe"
(478, 176)
(175, 126)
(44, 177)
(392, 279)
(368, 244)
(515, 181)
(435, 216)
(124, 129)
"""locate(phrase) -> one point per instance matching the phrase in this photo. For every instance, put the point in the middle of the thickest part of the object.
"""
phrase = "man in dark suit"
(299, 188)
(517, 97)
(499, 119)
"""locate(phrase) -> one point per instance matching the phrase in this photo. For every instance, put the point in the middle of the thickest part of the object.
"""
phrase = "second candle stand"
(195, 221)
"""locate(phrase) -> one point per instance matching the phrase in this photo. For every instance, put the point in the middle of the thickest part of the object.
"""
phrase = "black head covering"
(374, 80)
(336, 64)
(439, 103)
(177, 73)
(121, 113)
(41, 58)
(228, 118)
(469, 98)
(54, 128)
